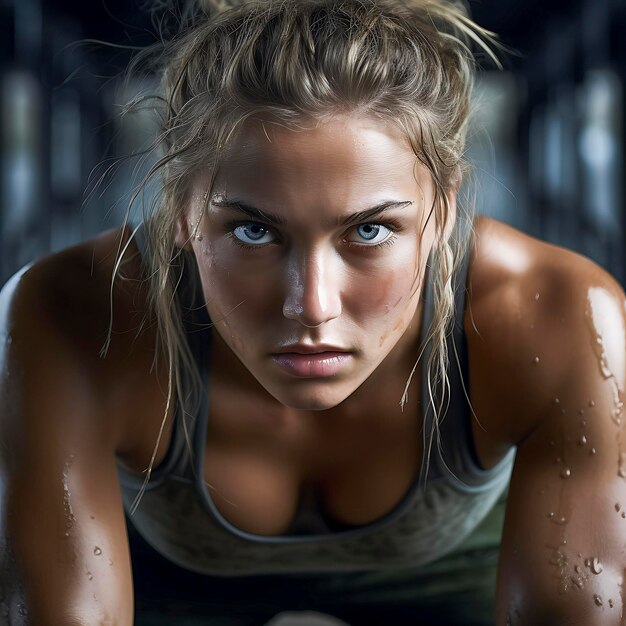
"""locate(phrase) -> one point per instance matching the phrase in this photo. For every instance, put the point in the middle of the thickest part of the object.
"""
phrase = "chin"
(320, 400)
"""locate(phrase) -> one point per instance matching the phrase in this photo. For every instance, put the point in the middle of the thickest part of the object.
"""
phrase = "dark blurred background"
(548, 144)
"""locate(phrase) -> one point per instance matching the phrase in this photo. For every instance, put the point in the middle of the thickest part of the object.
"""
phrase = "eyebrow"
(345, 220)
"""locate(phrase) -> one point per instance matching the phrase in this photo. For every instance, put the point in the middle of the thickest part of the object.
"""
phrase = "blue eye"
(253, 233)
(373, 233)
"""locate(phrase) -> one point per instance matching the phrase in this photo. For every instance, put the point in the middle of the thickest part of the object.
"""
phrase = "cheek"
(385, 294)
(387, 304)
(227, 285)
(236, 298)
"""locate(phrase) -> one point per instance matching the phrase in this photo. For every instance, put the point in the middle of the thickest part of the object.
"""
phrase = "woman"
(306, 376)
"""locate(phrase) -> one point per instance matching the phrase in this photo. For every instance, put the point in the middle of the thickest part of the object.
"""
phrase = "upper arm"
(63, 527)
(562, 555)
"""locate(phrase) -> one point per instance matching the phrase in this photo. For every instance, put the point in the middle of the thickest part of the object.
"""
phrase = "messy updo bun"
(410, 62)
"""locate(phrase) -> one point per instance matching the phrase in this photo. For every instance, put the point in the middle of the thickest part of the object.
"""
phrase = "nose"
(313, 294)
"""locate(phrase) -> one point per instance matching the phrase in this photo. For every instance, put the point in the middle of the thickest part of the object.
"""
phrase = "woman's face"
(313, 242)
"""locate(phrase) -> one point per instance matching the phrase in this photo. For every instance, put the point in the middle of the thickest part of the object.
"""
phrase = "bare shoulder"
(70, 289)
(547, 345)
(57, 312)
(535, 309)
(61, 423)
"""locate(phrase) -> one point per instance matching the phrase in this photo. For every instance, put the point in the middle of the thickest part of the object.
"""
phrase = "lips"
(301, 348)
(320, 361)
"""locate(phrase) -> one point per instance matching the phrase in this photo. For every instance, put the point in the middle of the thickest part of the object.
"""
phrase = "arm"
(65, 556)
(562, 557)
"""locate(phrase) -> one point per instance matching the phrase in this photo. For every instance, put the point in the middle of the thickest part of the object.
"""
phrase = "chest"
(257, 464)
(259, 459)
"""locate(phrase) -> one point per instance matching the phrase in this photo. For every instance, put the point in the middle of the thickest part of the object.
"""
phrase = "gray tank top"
(177, 516)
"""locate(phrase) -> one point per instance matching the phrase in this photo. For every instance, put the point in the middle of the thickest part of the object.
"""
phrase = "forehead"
(343, 152)
(259, 134)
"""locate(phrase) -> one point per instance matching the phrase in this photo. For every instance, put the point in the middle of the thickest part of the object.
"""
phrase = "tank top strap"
(197, 324)
(177, 462)
(456, 455)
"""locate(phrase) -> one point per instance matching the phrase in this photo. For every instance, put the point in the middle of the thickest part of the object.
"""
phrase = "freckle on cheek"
(391, 287)
(399, 324)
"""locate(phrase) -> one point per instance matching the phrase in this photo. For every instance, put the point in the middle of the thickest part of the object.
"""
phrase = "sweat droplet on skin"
(621, 464)
(618, 506)
(566, 473)
(610, 603)
(97, 551)
(603, 363)
(597, 300)
(617, 401)
(596, 566)
(537, 296)
(582, 441)
(536, 360)
(592, 451)
(597, 599)
(70, 518)
(592, 403)
(559, 560)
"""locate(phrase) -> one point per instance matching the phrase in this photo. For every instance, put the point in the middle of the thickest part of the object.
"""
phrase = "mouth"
(312, 349)
(312, 361)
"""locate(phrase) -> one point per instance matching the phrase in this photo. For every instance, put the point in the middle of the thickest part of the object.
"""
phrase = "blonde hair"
(405, 61)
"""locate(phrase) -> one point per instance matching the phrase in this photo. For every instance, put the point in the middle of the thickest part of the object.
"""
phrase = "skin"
(309, 274)
(55, 387)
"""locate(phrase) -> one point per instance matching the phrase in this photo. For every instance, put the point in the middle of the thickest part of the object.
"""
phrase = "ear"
(182, 237)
